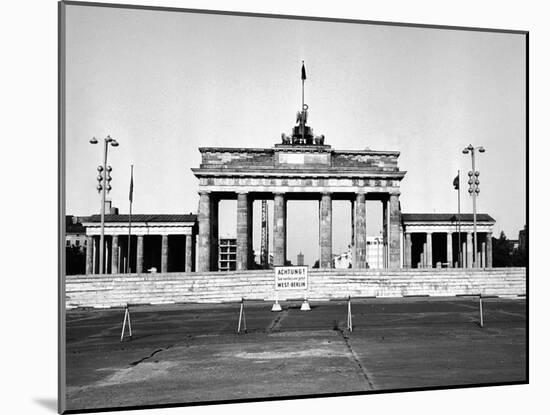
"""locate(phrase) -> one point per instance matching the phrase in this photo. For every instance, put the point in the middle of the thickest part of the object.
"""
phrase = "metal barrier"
(126, 317)
(348, 301)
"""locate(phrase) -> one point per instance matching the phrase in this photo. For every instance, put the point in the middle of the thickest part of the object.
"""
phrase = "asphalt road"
(191, 353)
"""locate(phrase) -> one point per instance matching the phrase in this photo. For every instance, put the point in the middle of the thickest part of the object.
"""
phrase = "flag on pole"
(456, 182)
(131, 198)
(303, 71)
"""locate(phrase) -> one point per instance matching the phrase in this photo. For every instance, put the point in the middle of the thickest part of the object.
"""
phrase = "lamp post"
(473, 181)
(104, 186)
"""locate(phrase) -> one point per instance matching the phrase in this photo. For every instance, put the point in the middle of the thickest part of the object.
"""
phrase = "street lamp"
(104, 186)
(473, 181)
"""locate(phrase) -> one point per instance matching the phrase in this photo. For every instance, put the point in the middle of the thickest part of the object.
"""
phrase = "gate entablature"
(291, 157)
(298, 169)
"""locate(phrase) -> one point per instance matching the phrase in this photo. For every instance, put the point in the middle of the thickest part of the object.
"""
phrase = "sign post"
(290, 278)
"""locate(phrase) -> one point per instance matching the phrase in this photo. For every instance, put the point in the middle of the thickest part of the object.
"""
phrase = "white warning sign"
(290, 278)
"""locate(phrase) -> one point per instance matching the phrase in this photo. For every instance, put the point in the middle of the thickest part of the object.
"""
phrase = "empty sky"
(165, 83)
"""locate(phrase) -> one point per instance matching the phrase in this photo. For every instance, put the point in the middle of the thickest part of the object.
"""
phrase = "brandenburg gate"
(301, 167)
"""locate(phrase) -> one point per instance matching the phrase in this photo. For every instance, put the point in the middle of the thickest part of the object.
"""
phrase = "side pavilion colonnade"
(165, 242)
(446, 240)
(297, 172)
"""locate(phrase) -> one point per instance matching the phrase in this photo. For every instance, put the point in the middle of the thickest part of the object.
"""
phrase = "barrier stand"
(480, 312)
(242, 318)
(350, 325)
(276, 306)
(305, 305)
(126, 317)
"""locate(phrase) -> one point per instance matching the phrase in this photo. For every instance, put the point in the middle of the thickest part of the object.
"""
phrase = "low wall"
(212, 287)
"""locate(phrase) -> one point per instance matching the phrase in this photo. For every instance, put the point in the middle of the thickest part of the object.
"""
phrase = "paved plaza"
(191, 353)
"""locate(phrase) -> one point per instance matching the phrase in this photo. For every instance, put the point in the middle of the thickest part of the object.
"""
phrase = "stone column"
(279, 229)
(429, 255)
(489, 255)
(114, 255)
(469, 250)
(449, 249)
(205, 229)
(360, 248)
(422, 262)
(89, 255)
(483, 255)
(352, 223)
(242, 231)
(394, 230)
(464, 255)
(139, 255)
(164, 254)
(402, 250)
(214, 235)
(285, 231)
(424, 251)
(188, 253)
(94, 255)
(325, 232)
(385, 233)
(319, 230)
(249, 226)
(408, 250)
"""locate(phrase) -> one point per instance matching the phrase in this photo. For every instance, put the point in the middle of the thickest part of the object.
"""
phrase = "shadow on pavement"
(48, 403)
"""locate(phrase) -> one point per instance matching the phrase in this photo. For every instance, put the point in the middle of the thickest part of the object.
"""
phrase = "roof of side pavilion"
(142, 224)
(446, 222)
(445, 217)
(144, 218)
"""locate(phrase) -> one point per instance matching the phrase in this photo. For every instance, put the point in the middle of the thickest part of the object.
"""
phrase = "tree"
(75, 260)
(504, 254)
(519, 258)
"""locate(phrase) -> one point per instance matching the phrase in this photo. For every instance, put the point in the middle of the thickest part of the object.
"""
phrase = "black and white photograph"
(262, 207)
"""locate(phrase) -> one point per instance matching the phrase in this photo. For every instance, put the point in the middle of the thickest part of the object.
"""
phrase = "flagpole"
(130, 217)
(460, 265)
(303, 121)
(303, 88)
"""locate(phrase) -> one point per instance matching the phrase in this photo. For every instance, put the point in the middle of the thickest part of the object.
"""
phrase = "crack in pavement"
(362, 369)
(276, 323)
(137, 362)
